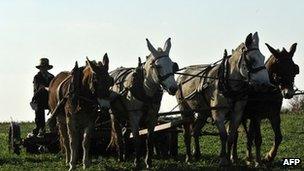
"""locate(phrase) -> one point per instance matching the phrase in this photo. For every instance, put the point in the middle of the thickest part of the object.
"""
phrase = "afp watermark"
(291, 161)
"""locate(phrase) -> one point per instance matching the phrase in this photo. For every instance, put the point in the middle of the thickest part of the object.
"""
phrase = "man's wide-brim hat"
(44, 63)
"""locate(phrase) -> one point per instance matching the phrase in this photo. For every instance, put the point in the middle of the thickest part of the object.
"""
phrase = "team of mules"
(282, 71)
(232, 89)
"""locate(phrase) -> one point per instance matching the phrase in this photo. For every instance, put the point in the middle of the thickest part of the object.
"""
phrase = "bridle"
(287, 81)
(249, 67)
(161, 78)
(223, 75)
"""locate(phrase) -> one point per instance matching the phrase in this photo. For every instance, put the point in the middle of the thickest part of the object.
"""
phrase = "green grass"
(292, 146)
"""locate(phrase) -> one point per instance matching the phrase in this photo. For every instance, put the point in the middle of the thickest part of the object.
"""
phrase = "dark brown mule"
(75, 97)
(282, 71)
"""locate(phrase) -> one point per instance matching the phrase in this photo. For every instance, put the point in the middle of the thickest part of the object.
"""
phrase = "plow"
(166, 132)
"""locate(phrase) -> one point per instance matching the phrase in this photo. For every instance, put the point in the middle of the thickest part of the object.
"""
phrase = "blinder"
(251, 70)
(164, 77)
(111, 81)
(296, 69)
(175, 67)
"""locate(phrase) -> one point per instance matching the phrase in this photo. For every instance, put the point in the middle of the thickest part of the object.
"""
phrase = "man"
(40, 99)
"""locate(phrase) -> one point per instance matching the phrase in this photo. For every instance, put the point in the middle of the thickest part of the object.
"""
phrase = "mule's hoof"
(268, 158)
(257, 164)
(136, 163)
(121, 160)
(85, 166)
(224, 161)
(72, 168)
(234, 159)
(188, 159)
(249, 161)
(148, 164)
(197, 156)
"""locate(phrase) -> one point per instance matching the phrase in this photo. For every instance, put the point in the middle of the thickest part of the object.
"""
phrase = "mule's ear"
(90, 64)
(249, 40)
(167, 45)
(293, 49)
(150, 47)
(139, 62)
(105, 61)
(272, 50)
(255, 39)
(225, 53)
(75, 67)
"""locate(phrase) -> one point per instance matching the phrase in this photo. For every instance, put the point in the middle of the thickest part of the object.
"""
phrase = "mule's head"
(252, 64)
(97, 78)
(283, 70)
(160, 68)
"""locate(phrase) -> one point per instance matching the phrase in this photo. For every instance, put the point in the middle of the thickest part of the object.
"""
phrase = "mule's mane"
(236, 54)
(160, 49)
(270, 61)
(148, 58)
(240, 48)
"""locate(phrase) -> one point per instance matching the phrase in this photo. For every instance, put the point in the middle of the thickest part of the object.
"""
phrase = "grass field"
(292, 146)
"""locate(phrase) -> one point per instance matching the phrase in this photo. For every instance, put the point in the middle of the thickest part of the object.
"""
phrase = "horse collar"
(223, 82)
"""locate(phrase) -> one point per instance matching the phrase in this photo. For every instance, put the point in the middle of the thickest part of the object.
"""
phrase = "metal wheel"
(14, 138)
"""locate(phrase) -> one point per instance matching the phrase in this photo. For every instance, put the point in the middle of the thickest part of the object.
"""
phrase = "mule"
(282, 71)
(74, 98)
(139, 102)
(228, 93)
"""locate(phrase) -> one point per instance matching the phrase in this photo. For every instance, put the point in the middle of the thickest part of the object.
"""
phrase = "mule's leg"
(257, 140)
(137, 143)
(134, 122)
(117, 130)
(86, 145)
(198, 125)
(276, 126)
(219, 118)
(234, 156)
(187, 139)
(63, 130)
(151, 120)
(236, 118)
(74, 142)
(250, 138)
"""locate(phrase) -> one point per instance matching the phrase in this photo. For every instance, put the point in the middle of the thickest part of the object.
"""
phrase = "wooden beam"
(162, 127)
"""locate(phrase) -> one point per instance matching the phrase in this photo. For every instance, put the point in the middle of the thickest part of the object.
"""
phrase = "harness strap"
(223, 83)
(250, 69)
(138, 91)
(164, 77)
(59, 95)
(255, 70)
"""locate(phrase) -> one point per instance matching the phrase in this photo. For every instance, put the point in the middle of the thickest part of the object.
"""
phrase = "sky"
(68, 31)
